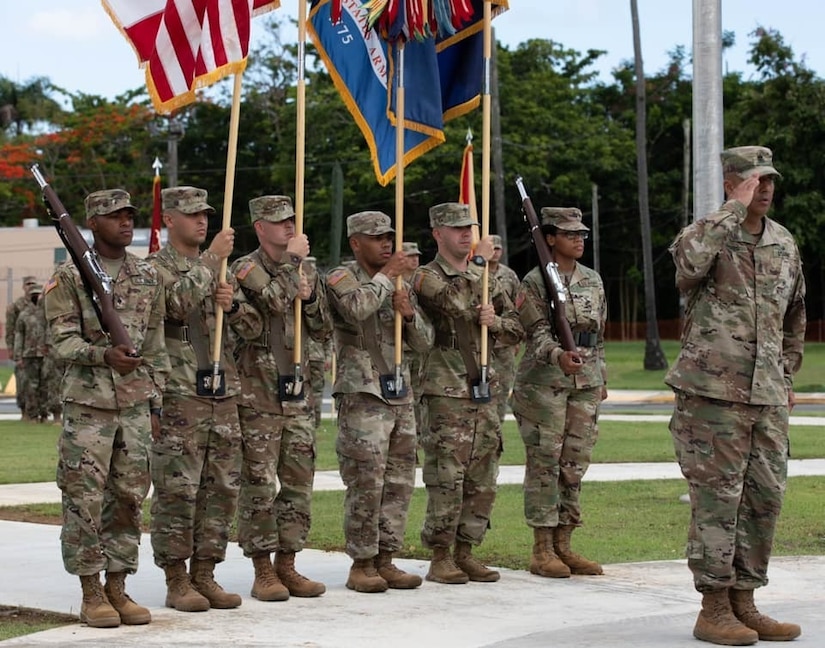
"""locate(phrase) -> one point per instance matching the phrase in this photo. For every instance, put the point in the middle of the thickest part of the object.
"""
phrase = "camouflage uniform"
(415, 359)
(503, 357)
(376, 436)
(317, 357)
(462, 441)
(196, 461)
(30, 350)
(741, 344)
(53, 369)
(278, 437)
(13, 311)
(557, 413)
(103, 453)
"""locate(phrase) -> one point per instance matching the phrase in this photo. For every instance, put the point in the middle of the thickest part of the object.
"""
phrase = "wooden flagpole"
(229, 189)
(485, 170)
(399, 197)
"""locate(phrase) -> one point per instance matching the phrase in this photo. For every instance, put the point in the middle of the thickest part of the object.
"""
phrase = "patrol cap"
(563, 218)
(29, 280)
(451, 214)
(746, 161)
(100, 203)
(189, 200)
(497, 244)
(36, 288)
(271, 208)
(371, 223)
(410, 249)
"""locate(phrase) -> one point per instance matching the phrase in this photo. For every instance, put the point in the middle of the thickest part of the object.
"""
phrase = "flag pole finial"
(469, 137)
(157, 166)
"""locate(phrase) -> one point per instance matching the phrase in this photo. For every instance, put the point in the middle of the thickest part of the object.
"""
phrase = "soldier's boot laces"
(717, 624)
(363, 577)
(203, 580)
(297, 584)
(544, 561)
(267, 585)
(767, 628)
(180, 594)
(130, 612)
(470, 565)
(444, 570)
(578, 564)
(396, 578)
(96, 611)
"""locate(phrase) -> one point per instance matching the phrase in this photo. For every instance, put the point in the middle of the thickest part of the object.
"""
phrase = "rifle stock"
(97, 282)
(549, 271)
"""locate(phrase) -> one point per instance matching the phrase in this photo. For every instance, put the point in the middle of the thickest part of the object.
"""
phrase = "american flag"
(186, 44)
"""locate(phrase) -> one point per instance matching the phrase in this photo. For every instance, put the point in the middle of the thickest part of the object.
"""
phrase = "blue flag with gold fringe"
(442, 79)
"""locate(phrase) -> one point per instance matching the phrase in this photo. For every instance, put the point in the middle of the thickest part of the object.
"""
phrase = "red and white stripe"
(186, 44)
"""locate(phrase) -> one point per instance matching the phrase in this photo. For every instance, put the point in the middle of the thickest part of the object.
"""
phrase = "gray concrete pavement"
(642, 605)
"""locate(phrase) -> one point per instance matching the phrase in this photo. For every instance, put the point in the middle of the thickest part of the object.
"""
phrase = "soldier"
(318, 357)
(52, 371)
(557, 396)
(196, 459)
(112, 400)
(503, 355)
(277, 419)
(462, 440)
(28, 353)
(13, 311)
(376, 441)
(742, 342)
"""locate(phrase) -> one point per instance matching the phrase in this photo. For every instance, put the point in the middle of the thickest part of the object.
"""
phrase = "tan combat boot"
(180, 594)
(130, 612)
(364, 578)
(203, 580)
(396, 578)
(768, 629)
(444, 570)
(297, 584)
(267, 586)
(96, 611)
(578, 565)
(544, 561)
(473, 567)
(717, 624)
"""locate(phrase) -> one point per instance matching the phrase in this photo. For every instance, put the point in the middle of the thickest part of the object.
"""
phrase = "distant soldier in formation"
(13, 311)
(376, 442)
(319, 357)
(742, 343)
(414, 358)
(462, 440)
(29, 353)
(196, 458)
(277, 420)
(557, 396)
(112, 402)
(503, 355)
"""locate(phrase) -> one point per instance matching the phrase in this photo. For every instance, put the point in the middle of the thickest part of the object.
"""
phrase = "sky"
(75, 44)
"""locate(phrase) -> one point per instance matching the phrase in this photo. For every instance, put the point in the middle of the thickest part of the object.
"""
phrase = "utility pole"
(174, 135)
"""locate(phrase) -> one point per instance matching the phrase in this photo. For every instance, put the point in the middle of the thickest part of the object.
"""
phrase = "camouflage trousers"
(32, 386)
(317, 378)
(503, 362)
(376, 458)
(196, 474)
(558, 455)
(462, 445)
(103, 471)
(276, 480)
(735, 459)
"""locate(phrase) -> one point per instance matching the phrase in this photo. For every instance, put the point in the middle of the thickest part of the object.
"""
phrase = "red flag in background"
(186, 44)
(154, 236)
(467, 186)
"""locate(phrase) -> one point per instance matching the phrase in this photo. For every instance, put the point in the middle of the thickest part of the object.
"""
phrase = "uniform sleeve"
(534, 316)
(317, 314)
(273, 294)
(696, 247)
(247, 321)
(793, 326)
(11, 321)
(419, 333)
(19, 334)
(64, 314)
(355, 301)
(447, 297)
(154, 347)
(185, 292)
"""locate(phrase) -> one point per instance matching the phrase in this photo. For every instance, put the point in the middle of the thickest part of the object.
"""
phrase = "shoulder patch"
(336, 276)
(520, 299)
(50, 284)
(244, 270)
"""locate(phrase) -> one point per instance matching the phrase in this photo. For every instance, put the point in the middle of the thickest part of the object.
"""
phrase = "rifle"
(96, 280)
(549, 271)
